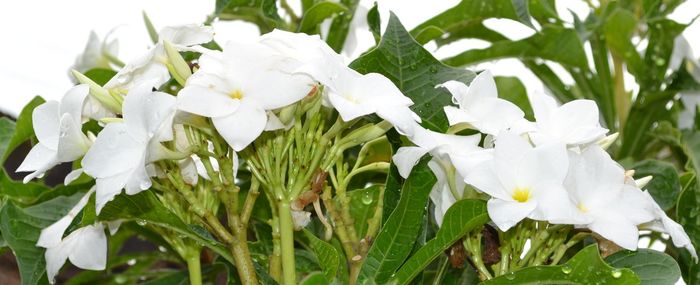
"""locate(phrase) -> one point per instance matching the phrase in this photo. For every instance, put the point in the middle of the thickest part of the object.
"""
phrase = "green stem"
(194, 267)
(287, 243)
(622, 100)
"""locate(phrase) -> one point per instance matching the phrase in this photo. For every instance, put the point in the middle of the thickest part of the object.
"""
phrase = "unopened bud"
(606, 142)
(99, 93)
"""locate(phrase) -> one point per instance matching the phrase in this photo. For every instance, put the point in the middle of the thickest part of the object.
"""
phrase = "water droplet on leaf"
(367, 198)
(616, 273)
(566, 269)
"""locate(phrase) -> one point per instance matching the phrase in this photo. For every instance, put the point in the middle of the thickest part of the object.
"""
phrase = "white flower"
(95, 54)
(575, 123)
(662, 223)
(58, 128)
(86, 247)
(523, 181)
(119, 156)
(238, 87)
(151, 67)
(480, 107)
(605, 203)
(441, 195)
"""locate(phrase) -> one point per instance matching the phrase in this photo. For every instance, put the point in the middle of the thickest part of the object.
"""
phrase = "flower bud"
(177, 65)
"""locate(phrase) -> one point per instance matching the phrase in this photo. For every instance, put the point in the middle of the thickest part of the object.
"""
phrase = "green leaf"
(374, 22)
(415, 71)
(394, 181)
(19, 192)
(363, 203)
(618, 30)
(513, 90)
(394, 242)
(145, 207)
(652, 267)
(21, 228)
(328, 257)
(470, 13)
(317, 13)
(461, 218)
(554, 43)
(262, 13)
(665, 186)
(100, 75)
(7, 129)
(340, 26)
(24, 129)
(314, 278)
(586, 267)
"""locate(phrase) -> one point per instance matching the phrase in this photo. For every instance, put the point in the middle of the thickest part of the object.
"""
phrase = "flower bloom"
(122, 150)
(480, 107)
(575, 123)
(58, 128)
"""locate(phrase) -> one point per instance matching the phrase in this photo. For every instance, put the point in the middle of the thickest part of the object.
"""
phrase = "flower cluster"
(554, 169)
(243, 88)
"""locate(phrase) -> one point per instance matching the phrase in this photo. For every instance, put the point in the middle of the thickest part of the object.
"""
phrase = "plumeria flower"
(85, 247)
(237, 88)
(96, 54)
(480, 107)
(605, 203)
(151, 67)
(524, 182)
(662, 223)
(122, 150)
(58, 127)
(575, 123)
(441, 195)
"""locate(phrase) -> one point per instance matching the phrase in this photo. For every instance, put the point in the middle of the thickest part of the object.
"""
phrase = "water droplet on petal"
(566, 269)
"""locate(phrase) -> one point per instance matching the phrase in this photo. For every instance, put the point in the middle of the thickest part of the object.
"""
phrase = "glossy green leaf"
(19, 192)
(651, 266)
(314, 278)
(24, 130)
(317, 14)
(340, 26)
(328, 257)
(586, 267)
(145, 207)
(363, 203)
(393, 244)
(415, 71)
(100, 75)
(7, 130)
(553, 43)
(374, 22)
(665, 185)
(461, 218)
(21, 228)
(618, 30)
(262, 13)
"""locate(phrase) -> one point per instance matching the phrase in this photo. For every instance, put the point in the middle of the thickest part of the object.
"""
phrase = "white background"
(39, 40)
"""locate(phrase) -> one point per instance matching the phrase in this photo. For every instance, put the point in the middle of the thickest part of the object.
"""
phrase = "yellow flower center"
(521, 195)
(582, 207)
(236, 94)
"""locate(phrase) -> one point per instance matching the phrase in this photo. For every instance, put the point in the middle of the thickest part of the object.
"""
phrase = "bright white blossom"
(575, 123)
(441, 195)
(151, 67)
(237, 88)
(662, 223)
(85, 247)
(58, 128)
(96, 53)
(480, 107)
(604, 202)
(523, 182)
(122, 150)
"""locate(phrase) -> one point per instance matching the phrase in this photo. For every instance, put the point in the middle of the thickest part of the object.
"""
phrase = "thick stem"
(244, 264)
(194, 267)
(287, 242)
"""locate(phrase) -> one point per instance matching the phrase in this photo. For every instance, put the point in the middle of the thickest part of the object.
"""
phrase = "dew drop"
(616, 273)
(162, 248)
(131, 262)
(566, 269)
(433, 69)
(120, 279)
(141, 222)
(367, 198)
(660, 61)
(510, 276)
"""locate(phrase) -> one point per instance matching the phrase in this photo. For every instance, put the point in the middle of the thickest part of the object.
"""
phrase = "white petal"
(45, 119)
(458, 116)
(349, 108)
(72, 176)
(273, 122)
(406, 158)
(39, 159)
(72, 144)
(91, 252)
(483, 86)
(148, 114)
(404, 120)
(205, 101)
(618, 231)
(457, 89)
(505, 214)
(544, 163)
(188, 170)
(465, 163)
(73, 100)
(51, 236)
(484, 178)
(243, 126)
(109, 187)
(542, 105)
(492, 115)
(114, 152)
